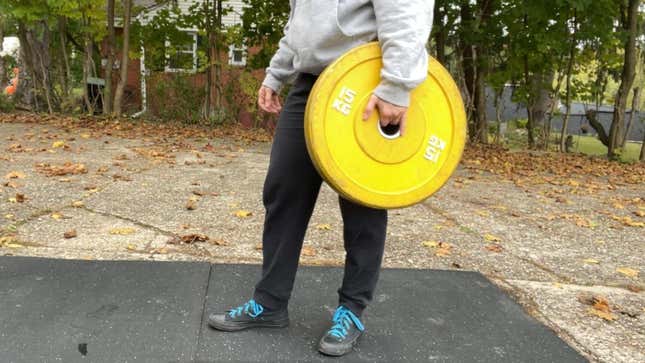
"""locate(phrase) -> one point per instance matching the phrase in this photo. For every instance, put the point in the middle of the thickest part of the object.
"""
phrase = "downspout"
(142, 71)
(144, 99)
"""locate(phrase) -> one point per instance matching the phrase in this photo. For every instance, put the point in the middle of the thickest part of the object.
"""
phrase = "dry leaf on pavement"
(591, 261)
(629, 272)
(70, 234)
(495, 248)
(122, 231)
(14, 175)
(308, 251)
(189, 239)
(243, 213)
(491, 238)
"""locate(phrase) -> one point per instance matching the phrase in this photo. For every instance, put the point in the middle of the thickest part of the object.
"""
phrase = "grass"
(590, 145)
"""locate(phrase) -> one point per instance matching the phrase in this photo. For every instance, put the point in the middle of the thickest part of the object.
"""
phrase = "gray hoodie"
(319, 31)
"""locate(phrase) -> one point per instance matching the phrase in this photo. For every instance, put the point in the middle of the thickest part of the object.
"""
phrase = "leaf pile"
(68, 168)
(529, 167)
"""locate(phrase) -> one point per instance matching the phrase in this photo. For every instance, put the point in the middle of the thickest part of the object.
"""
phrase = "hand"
(390, 114)
(269, 100)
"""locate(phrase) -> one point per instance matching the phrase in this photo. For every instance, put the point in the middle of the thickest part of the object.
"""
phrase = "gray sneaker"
(343, 334)
(249, 315)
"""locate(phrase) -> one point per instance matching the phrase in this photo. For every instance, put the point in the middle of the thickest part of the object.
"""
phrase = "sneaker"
(343, 334)
(249, 315)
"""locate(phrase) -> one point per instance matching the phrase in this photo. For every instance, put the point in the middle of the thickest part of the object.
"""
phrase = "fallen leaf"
(20, 198)
(70, 234)
(483, 213)
(431, 244)
(56, 215)
(131, 247)
(495, 248)
(218, 242)
(122, 231)
(591, 261)
(60, 170)
(7, 240)
(191, 204)
(15, 175)
(9, 216)
(629, 272)
(78, 204)
(606, 316)
(323, 226)
(58, 144)
(243, 213)
(639, 213)
(258, 246)
(308, 251)
(444, 250)
(189, 239)
(634, 288)
(491, 238)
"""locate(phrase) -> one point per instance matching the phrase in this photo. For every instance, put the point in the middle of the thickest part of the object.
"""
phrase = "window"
(236, 55)
(182, 57)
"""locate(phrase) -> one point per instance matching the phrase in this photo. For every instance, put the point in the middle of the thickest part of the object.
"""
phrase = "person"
(317, 33)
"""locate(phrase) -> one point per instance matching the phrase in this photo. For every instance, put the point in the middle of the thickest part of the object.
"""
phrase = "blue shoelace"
(342, 319)
(251, 308)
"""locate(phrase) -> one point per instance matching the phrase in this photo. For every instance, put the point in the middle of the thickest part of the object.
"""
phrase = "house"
(186, 60)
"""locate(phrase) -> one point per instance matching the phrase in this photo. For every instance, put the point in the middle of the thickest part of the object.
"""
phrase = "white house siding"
(232, 18)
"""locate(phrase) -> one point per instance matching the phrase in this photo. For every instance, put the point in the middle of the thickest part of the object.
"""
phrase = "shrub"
(177, 98)
(6, 103)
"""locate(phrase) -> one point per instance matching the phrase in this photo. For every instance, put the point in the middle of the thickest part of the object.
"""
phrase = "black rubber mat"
(81, 311)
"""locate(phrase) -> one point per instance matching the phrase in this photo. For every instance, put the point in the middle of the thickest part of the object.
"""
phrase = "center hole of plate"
(389, 131)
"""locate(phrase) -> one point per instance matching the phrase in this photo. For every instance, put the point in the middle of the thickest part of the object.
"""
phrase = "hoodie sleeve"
(281, 66)
(403, 28)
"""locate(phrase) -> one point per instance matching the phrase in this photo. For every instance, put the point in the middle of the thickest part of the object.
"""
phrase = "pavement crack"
(470, 231)
(133, 221)
(204, 314)
(532, 308)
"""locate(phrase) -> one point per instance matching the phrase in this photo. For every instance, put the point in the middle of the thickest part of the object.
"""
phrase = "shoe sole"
(238, 327)
(338, 353)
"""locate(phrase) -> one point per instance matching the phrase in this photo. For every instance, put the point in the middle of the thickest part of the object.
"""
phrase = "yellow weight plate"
(373, 167)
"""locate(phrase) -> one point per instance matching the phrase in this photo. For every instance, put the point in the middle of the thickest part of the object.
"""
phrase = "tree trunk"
(572, 57)
(498, 115)
(2, 73)
(110, 44)
(440, 32)
(642, 157)
(63, 64)
(87, 69)
(540, 103)
(593, 121)
(636, 101)
(627, 79)
(45, 61)
(118, 95)
(468, 64)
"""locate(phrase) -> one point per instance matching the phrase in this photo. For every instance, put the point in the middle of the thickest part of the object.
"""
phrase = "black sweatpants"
(290, 192)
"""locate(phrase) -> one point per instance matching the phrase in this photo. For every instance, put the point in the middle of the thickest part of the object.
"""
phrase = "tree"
(263, 22)
(2, 70)
(111, 56)
(630, 28)
(125, 56)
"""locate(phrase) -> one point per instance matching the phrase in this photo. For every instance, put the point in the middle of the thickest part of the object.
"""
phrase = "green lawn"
(592, 146)
(588, 145)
